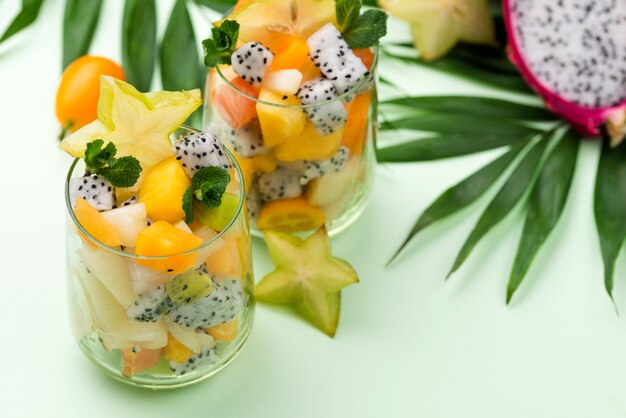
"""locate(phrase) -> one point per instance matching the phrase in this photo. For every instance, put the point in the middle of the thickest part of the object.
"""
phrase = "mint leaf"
(92, 150)
(219, 48)
(124, 173)
(347, 11)
(209, 184)
(367, 29)
(188, 205)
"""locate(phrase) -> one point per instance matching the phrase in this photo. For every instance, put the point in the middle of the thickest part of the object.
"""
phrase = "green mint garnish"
(207, 186)
(219, 48)
(121, 172)
(188, 205)
(360, 31)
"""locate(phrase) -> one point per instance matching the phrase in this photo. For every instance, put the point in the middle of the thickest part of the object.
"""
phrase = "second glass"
(291, 183)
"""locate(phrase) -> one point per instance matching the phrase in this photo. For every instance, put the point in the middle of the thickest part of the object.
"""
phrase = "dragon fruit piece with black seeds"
(281, 183)
(251, 61)
(96, 190)
(247, 142)
(199, 150)
(315, 169)
(336, 61)
(205, 357)
(573, 54)
(222, 305)
(150, 306)
(253, 202)
(327, 118)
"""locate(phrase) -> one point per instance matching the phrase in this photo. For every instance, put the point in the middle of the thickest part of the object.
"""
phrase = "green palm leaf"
(545, 205)
(80, 20)
(27, 15)
(139, 42)
(458, 124)
(462, 194)
(610, 207)
(505, 201)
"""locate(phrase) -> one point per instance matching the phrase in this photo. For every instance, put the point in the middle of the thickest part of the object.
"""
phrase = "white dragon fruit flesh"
(315, 169)
(332, 55)
(573, 53)
(251, 61)
(150, 306)
(253, 202)
(205, 357)
(199, 150)
(247, 142)
(327, 118)
(220, 306)
(130, 201)
(281, 183)
(96, 190)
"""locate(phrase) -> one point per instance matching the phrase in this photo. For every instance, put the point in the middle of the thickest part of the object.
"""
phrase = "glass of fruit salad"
(158, 246)
(292, 94)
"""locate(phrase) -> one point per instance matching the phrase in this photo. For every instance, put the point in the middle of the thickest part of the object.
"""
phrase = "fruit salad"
(291, 92)
(158, 247)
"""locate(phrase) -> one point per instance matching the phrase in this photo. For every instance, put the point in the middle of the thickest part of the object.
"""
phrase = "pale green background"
(408, 345)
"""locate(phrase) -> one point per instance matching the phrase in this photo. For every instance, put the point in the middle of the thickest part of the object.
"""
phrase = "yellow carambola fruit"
(307, 276)
(265, 21)
(139, 124)
(437, 25)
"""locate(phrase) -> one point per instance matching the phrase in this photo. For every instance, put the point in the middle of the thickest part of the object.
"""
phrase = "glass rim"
(353, 91)
(116, 251)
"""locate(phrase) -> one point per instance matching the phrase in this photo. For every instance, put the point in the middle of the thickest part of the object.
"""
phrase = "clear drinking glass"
(104, 282)
(336, 199)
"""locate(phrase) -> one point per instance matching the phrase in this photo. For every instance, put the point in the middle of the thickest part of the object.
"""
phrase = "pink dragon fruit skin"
(587, 120)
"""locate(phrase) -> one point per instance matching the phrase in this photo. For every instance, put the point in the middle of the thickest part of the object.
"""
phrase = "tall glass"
(105, 284)
(234, 111)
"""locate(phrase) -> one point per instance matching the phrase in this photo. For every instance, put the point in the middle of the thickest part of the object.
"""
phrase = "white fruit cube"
(286, 82)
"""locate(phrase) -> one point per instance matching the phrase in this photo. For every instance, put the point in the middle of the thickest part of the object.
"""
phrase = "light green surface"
(408, 345)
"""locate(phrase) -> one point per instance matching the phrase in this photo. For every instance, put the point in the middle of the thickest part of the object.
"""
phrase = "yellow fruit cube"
(94, 223)
(279, 124)
(309, 145)
(176, 351)
(162, 191)
(164, 239)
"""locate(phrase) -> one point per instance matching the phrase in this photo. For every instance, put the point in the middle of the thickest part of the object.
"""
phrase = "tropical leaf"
(79, 25)
(545, 205)
(482, 73)
(180, 60)
(610, 207)
(139, 42)
(27, 15)
(446, 146)
(221, 6)
(485, 107)
(505, 201)
(458, 124)
(462, 194)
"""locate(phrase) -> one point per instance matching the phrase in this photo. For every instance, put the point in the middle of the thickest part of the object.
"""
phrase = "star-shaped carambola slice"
(139, 124)
(437, 25)
(307, 277)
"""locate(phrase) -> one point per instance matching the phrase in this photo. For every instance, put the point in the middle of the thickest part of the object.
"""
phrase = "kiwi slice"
(218, 218)
(189, 287)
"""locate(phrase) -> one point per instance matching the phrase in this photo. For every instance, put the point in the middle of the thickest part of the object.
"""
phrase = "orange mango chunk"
(309, 145)
(291, 52)
(97, 226)
(224, 332)
(164, 239)
(355, 131)
(264, 163)
(176, 351)
(290, 215)
(366, 55)
(162, 191)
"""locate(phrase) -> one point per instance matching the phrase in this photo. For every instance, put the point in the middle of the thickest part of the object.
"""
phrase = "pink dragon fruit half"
(573, 54)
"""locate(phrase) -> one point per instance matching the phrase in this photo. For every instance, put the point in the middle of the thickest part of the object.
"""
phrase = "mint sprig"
(220, 48)
(207, 187)
(360, 30)
(121, 172)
